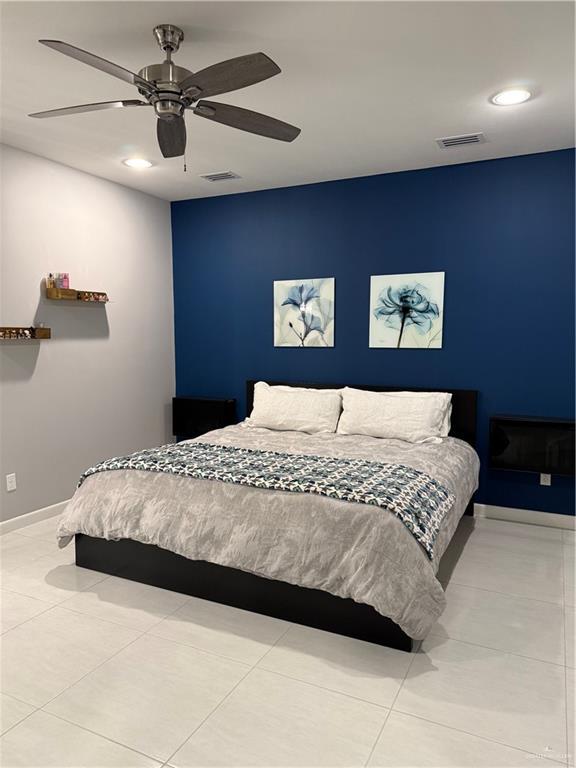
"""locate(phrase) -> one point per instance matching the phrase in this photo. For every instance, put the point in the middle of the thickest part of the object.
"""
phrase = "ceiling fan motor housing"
(166, 109)
(165, 76)
(168, 37)
(168, 100)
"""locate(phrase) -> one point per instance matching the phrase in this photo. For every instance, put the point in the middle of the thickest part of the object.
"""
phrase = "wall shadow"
(18, 359)
(72, 319)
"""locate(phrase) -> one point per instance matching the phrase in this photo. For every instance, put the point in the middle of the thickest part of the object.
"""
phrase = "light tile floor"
(99, 672)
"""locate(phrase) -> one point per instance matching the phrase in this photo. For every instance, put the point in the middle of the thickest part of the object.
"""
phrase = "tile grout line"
(476, 736)
(9, 570)
(230, 692)
(51, 606)
(198, 648)
(41, 708)
(446, 584)
(323, 687)
(561, 605)
(21, 623)
(275, 643)
(37, 709)
(214, 653)
(69, 722)
(296, 679)
(212, 711)
(496, 592)
(500, 650)
(101, 736)
(291, 677)
(149, 629)
(51, 537)
(105, 661)
(120, 650)
(34, 710)
(566, 542)
(254, 666)
(66, 565)
(77, 612)
(29, 536)
(567, 759)
(390, 708)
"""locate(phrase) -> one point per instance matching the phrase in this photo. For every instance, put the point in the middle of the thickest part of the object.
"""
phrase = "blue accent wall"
(502, 230)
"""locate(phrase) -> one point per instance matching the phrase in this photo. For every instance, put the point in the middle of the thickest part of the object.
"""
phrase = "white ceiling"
(372, 85)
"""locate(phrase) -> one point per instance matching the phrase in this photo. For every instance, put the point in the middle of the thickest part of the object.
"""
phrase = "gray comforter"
(345, 548)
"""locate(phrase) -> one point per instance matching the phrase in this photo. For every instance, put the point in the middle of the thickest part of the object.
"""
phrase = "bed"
(336, 565)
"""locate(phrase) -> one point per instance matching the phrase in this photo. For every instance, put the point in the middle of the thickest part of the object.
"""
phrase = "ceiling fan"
(171, 90)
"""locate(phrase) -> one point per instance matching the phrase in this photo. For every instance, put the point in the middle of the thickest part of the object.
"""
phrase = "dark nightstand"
(193, 416)
(532, 444)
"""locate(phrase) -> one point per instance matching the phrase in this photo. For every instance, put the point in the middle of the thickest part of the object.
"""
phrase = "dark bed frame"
(149, 564)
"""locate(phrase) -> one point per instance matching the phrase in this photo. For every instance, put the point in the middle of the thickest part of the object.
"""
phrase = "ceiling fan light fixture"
(511, 96)
(139, 163)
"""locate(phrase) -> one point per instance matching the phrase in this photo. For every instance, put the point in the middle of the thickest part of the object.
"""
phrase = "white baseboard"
(530, 516)
(7, 526)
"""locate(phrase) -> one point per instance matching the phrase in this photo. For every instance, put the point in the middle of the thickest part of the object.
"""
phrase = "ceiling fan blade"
(230, 75)
(246, 120)
(89, 108)
(171, 136)
(98, 63)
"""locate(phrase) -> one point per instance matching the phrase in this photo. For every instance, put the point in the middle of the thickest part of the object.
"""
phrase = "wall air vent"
(223, 176)
(460, 141)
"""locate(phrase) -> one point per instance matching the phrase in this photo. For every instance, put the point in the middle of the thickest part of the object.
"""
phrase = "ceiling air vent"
(223, 176)
(460, 141)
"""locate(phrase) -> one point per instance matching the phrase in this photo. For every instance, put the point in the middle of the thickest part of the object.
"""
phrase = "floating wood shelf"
(71, 294)
(17, 333)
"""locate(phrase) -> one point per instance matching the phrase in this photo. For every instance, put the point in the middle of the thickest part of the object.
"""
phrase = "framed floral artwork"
(304, 313)
(407, 311)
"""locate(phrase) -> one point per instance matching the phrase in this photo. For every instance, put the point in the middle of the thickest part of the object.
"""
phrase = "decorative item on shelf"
(56, 292)
(97, 296)
(58, 280)
(22, 333)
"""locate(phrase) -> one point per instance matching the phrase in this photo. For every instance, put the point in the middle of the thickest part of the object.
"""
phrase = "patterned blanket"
(418, 500)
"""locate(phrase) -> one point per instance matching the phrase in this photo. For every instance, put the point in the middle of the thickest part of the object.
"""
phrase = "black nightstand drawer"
(193, 416)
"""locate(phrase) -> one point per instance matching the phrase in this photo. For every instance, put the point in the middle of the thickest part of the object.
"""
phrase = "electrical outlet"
(11, 482)
(545, 479)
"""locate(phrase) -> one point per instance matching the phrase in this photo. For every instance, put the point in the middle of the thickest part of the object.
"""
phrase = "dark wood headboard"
(464, 402)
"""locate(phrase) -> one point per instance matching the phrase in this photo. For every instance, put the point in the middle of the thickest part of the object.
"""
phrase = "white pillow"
(416, 417)
(441, 398)
(295, 408)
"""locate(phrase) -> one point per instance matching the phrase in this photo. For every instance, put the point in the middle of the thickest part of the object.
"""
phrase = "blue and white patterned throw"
(418, 500)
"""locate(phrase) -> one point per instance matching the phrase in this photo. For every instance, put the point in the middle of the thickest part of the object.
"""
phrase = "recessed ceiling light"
(137, 162)
(511, 96)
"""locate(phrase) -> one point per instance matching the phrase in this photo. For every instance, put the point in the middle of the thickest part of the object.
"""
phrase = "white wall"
(102, 386)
